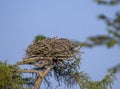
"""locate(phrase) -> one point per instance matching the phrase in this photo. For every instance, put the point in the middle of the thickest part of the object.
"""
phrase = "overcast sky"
(22, 20)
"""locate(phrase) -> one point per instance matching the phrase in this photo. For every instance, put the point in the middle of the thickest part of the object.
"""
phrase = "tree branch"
(32, 60)
(41, 65)
(42, 76)
(28, 71)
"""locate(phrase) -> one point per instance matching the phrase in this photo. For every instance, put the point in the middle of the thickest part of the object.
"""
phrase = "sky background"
(22, 20)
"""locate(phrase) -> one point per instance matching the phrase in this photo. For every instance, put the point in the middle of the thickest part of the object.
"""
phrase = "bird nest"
(56, 48)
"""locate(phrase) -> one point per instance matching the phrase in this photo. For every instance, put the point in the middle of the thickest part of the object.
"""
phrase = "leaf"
(39, 37)
(111, 43)
(102, 17)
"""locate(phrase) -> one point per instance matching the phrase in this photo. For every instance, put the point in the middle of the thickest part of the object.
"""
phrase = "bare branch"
(28, 71)
(37, 59)
(41, 65)
(31, 60)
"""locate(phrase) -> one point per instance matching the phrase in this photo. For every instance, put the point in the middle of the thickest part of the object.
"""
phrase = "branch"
(37, 59)
(31, 60)
(42, 76)
(47, 70)
(28, 71)
(41, 65)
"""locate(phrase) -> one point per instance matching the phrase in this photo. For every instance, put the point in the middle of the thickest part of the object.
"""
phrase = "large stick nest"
(57, 48)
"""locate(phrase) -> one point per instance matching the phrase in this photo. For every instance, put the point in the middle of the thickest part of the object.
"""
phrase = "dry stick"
(41, 65)
(28, 71)
(36, 59)
(27, 61)
(32, 60)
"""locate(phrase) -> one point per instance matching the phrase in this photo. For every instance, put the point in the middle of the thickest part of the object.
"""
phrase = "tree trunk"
(41, 76)
(38, 82)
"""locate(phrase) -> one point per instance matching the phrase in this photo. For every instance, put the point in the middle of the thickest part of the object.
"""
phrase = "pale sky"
(22, 20)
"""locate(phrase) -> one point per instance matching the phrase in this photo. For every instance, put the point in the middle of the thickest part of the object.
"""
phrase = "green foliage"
(102, 17)
(115, 69)
(112, 37)
(63, 73)
(85, 83)
(108, 2)
(102, 40)
(105, 83)
(9, 79)
(76, 43)
(39, 37)
(111, 43)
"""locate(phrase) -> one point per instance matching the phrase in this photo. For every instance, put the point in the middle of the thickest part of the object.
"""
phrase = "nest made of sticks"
(57, 48)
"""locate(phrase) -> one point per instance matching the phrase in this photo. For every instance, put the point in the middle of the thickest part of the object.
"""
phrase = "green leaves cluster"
(105, 83)
(9, 79)
(39, 37)
(108, 2)
(112, 37)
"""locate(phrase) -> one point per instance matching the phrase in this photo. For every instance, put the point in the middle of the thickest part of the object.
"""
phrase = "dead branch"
(28, 71)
